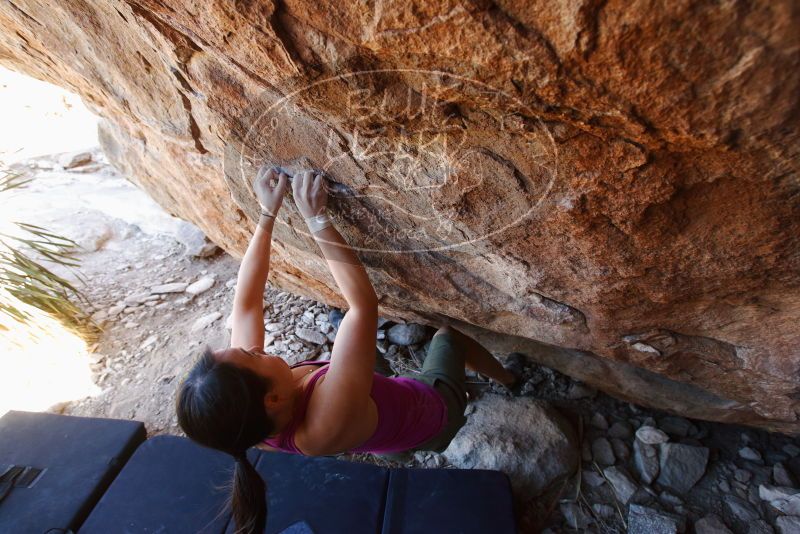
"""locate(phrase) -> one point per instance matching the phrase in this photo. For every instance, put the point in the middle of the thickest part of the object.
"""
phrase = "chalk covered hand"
(270, 196)
(310, 194)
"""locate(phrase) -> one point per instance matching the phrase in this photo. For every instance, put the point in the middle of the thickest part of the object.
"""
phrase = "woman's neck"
(285, 414)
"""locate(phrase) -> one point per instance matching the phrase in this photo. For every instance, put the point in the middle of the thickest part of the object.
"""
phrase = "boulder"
(604, 188)
(526, 439)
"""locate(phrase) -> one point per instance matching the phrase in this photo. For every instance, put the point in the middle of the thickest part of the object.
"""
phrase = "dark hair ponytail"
(221, 406)
(248, 498)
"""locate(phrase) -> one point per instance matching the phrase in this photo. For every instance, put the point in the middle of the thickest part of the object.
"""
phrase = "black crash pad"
(455, 501)
(330, 496)
(173, 485)
(169, 485)
(78, 458)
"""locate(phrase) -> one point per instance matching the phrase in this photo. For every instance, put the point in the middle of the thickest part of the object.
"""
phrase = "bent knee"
(445, 330)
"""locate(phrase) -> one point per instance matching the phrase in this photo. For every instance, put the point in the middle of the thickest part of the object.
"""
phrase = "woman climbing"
(241, 397)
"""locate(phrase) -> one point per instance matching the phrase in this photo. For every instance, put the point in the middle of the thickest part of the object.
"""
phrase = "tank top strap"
(310, 362)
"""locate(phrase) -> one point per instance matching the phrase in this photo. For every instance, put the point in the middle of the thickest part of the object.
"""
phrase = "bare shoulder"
(331, 428)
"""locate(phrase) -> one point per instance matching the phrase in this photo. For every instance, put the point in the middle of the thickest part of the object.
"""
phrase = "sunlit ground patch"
(42, 364)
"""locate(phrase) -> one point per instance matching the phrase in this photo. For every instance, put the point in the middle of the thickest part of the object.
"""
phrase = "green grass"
(26, 281)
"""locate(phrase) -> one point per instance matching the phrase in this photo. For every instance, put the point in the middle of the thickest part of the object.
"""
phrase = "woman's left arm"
(248, 301)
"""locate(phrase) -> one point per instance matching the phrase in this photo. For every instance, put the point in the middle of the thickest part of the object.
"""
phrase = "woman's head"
(225, 402)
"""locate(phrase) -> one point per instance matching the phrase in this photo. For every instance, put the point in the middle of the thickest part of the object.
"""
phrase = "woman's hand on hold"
(270, 196)
(310, 193)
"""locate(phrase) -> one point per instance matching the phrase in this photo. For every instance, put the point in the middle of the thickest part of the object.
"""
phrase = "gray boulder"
(522, 437)
(681, 466)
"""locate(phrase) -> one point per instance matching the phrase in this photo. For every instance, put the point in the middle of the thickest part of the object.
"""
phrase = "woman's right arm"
(348, 382)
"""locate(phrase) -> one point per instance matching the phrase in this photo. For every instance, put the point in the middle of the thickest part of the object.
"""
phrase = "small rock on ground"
(602, 452)
(205, 321)
(620, 430)
(651, 435)
(312, 336)
(748, 453)
(623, 484)
(174, 287)
(788, 524)
(759, 526)
(740, 508)
(574, 515)
(645, 459)
(681, 466)
(201, 286)
(75, 159)
(711, 524)
(644, 520)
(407, 334)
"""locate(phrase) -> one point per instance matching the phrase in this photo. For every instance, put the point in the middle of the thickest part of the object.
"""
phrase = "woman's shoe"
(515, 364)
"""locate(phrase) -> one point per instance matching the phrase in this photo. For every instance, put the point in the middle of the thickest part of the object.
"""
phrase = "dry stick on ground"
(613, 493)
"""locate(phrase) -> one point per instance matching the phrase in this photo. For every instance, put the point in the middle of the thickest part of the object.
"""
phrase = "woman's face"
(272, 367)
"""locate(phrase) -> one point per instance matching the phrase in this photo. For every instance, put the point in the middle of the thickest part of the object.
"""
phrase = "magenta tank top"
(409, 414)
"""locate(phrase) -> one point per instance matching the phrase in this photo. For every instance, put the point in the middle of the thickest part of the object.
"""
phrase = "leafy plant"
(25, 280)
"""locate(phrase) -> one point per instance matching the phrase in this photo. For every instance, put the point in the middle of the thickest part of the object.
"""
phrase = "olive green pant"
(444, 371)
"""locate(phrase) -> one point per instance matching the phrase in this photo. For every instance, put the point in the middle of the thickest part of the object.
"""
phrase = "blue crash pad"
(78, 458)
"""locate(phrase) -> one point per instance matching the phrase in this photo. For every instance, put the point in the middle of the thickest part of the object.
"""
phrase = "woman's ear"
(272, 401)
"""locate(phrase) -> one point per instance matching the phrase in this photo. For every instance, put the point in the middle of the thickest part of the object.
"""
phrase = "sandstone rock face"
(610, 187)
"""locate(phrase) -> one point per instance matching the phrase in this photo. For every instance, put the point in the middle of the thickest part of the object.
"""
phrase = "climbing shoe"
(515, 364)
